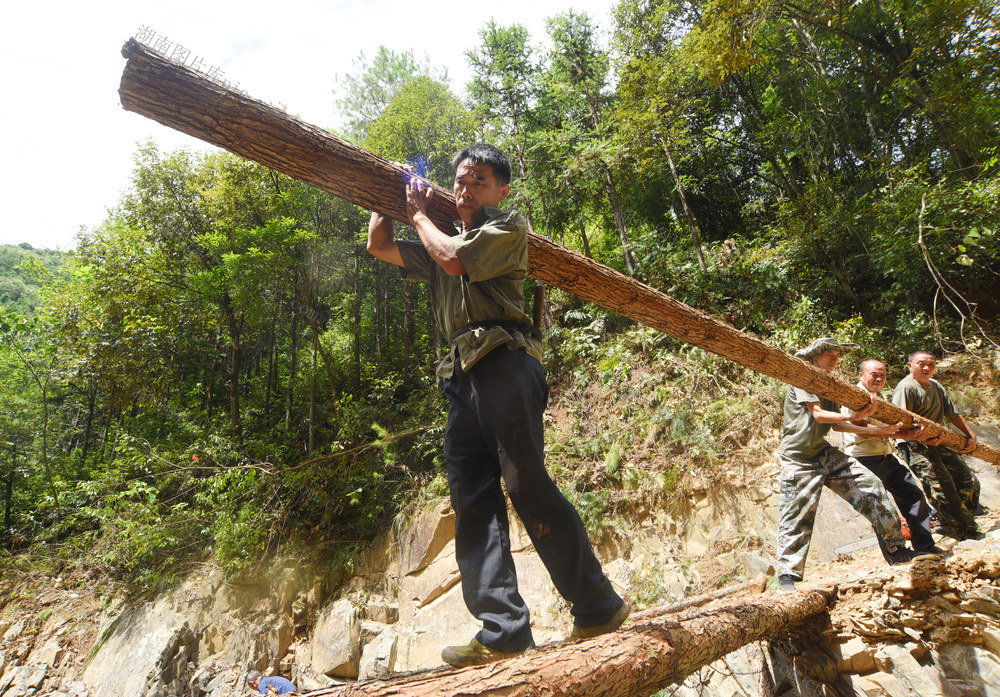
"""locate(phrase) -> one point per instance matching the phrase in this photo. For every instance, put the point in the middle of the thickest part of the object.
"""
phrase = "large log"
(639, 659)
(188, 101)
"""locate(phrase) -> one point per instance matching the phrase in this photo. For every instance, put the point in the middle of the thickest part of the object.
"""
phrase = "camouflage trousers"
(951, 487)
(801, 484)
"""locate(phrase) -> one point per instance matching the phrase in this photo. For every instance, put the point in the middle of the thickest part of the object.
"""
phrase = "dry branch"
(756, 585)
(188, 101)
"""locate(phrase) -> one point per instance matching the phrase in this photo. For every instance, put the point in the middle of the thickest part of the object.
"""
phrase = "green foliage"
(23, 272)
(423, 120)
(367, 92)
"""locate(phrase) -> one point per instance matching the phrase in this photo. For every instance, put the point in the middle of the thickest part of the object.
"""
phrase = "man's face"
(922, 367)
(476, 186)
(827, 360)
(873, 375)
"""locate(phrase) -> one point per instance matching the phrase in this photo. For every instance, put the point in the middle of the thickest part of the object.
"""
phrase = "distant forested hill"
(23, 270)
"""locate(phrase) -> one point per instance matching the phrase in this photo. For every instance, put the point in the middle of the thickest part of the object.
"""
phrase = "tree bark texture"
(188, 101)
(638, 660)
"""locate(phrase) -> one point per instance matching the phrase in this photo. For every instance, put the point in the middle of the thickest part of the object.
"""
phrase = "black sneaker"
(935, 521)
(786, 583)
(901, 555)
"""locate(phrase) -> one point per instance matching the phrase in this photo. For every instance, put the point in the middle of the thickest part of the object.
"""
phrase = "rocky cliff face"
(404, 603)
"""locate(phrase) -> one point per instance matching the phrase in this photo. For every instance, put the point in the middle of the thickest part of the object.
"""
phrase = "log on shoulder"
(639, 659)
(188, 101)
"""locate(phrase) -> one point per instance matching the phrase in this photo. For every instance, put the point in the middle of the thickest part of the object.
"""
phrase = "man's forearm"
(970, 436)
(381, 243)
(439, 245)
(962, 425)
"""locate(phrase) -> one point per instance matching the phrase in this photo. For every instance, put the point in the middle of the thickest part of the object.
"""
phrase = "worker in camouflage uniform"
(808, 462)
(949, 483)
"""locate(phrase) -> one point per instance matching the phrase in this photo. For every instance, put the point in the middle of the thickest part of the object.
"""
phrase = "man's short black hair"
(920, 352)
(485, 154)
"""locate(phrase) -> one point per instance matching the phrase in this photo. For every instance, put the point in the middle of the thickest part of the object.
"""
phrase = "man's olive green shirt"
(495, 254)
(930, 401)
(802, 436)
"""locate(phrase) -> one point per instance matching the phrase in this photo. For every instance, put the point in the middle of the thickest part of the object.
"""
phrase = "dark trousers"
(907, 494)
(494, 430)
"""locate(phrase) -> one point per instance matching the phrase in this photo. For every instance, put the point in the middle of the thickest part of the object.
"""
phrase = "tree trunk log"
(640, 659)
(188, 101)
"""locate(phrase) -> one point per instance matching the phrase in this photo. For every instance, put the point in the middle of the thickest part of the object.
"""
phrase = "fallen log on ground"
(188, 101)
(639, 659)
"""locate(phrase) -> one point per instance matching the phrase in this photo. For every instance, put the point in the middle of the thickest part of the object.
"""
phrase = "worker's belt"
(508, 324)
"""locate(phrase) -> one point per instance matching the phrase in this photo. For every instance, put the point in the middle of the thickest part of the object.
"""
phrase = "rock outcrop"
(404, 603)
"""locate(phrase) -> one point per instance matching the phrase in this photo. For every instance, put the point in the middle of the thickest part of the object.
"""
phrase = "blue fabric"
(281, 685)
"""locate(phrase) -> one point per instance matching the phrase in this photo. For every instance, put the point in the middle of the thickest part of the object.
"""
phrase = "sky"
(66, 144)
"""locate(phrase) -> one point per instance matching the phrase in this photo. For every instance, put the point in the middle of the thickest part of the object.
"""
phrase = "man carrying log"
(950, 484)
(497, 393)
(878, 455)
(808, 462)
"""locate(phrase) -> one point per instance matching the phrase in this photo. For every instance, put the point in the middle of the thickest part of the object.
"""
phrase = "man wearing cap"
(808, 462)
(951, 486)
(878, 455)
(497, 392)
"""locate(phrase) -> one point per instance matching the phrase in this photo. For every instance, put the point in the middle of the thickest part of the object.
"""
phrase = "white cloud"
(67, 145)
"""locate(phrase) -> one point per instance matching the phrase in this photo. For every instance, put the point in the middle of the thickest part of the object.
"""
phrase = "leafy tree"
(503, 92)
(576, 83)
(368, 91)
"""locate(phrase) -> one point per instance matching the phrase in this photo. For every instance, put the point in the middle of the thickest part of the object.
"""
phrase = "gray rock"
(306, 679)
(336, 641)
(380, 609)
(757, 563)
(425, 537)
(15, 631)
(379, 657)
(969, 670)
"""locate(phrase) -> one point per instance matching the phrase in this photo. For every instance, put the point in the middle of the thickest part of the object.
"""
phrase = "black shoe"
(936, 526)
(981, 510)
(901, 555)
(786, 583)
(972, 535)
(933, 549)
